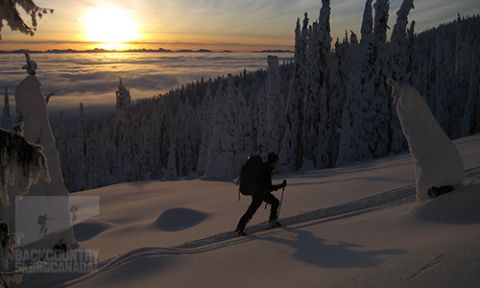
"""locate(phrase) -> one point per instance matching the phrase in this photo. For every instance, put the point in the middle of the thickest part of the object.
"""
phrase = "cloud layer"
(93, 78)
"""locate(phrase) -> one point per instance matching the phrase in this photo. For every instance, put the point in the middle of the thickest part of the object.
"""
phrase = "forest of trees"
(330, 105)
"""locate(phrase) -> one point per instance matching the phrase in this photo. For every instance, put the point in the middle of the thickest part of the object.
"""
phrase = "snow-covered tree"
(223, 153)
(327, 94)
(207, 127)
(339, 78)
(23, 165)
(292, 150)
(471, 118)
(365, 125)
(123, 96)
(400, 67)
(411, 52)
(6, 117)
(398, 58)
(263, 141)
(275, 114)
(367, 23)
(312, 109)
(172, 170)
(317, 113)
(10, 13)
(119, 147)
(244, 130)
(354, 106)
(32, 112)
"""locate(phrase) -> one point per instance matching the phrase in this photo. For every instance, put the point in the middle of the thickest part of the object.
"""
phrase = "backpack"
(248, 175)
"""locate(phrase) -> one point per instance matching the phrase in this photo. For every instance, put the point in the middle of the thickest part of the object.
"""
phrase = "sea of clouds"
(92, 78)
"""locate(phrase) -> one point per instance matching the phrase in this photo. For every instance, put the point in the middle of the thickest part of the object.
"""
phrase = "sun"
(110, 25)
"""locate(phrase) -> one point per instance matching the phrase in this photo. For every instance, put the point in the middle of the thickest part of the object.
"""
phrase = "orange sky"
(212, 24)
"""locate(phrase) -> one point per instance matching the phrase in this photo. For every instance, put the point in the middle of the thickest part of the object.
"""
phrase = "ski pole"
(281, 201)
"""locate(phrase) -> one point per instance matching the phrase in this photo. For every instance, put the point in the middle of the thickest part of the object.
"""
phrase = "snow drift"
(460, 207)
(176, 219)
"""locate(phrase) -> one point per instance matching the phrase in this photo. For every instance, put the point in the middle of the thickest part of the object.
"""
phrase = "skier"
(263, 193)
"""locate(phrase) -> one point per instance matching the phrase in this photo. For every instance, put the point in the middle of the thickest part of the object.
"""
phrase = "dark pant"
(257, 201)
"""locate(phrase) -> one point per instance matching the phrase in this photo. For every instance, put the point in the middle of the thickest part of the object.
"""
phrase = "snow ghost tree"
(11, 15)
(436, 159)
(32, 111)
(123, 96)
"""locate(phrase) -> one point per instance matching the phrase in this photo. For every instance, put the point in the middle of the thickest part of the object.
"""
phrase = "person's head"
(272, 158)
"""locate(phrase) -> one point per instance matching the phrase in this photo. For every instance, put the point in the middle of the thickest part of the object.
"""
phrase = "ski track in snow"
(394, 197)
(427, 266)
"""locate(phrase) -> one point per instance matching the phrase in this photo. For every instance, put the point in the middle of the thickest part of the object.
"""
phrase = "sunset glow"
(111, 26)
(242, 26)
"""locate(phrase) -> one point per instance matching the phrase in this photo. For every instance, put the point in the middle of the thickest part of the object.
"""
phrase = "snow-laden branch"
(11, 15)
(22, 164)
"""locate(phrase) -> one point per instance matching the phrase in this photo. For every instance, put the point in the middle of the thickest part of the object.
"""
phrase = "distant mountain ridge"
(140, 50)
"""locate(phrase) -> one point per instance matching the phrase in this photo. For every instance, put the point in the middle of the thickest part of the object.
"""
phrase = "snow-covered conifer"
(312, 107)
(6, 117)
(292, 151)
(172, 161)
(365, 120)
(275, 115)
(207, 127)
(399, 64)
(367, 23)
(123, 96)
(261, 107)
(398, 58)
(221, 153)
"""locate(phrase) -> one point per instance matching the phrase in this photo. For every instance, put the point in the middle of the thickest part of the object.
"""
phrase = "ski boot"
(240, 232)
(273, 224)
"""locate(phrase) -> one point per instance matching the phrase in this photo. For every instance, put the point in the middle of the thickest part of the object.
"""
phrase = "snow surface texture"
(353, 226)
(436, 159)
(32, 110)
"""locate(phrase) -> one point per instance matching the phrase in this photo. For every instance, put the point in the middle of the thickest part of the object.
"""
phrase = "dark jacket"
(264, 180)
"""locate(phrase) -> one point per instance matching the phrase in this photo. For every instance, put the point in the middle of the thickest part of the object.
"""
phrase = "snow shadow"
(356, 167)
(89, 229)
(177, 219)
(458, 207)
(366, 178)
(328, 254)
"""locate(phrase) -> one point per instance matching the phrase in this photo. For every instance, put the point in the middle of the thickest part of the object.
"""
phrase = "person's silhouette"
(42, 221)
(263, 193)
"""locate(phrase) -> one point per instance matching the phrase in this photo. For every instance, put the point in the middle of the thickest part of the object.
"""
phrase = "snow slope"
(353, 226)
